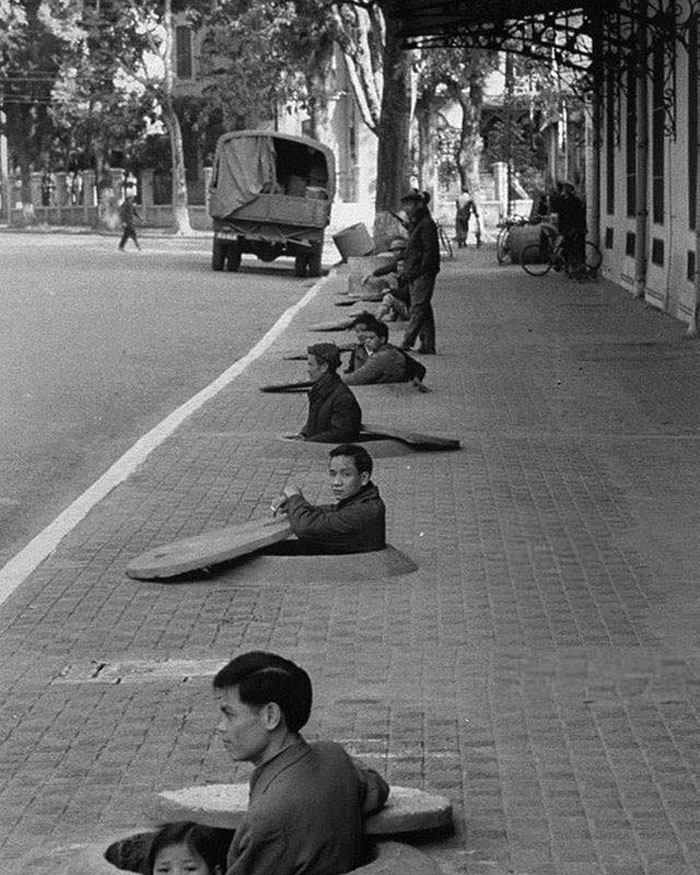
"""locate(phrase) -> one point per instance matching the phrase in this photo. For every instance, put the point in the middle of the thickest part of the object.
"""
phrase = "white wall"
(666, 285)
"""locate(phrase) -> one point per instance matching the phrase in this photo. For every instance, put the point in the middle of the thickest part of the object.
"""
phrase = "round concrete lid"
(223, 805)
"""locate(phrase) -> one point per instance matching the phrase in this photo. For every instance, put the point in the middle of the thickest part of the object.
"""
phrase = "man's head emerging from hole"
(264, 700)
(350, 468)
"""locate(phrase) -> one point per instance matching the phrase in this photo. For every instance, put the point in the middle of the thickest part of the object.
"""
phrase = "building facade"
(648, 154)
(638, 61)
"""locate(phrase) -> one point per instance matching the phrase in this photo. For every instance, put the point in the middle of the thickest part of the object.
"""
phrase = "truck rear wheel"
(233, 258)
(314, 261)
(300, 262)
(218, 256)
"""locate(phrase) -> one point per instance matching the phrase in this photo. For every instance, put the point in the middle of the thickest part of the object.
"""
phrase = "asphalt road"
(98, 346)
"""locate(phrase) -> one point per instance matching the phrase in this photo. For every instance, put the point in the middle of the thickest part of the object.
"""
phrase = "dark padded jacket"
(305, 813)
(354, 525)
(422, 256)
(334, 414)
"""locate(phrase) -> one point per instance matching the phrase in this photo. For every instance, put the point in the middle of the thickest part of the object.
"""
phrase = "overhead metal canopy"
(425, 18)
(559, 30)
(598, 39)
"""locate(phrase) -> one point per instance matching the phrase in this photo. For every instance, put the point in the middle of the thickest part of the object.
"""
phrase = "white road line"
(23, 564)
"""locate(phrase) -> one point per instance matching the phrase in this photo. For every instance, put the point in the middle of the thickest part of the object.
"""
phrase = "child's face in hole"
(179, 860)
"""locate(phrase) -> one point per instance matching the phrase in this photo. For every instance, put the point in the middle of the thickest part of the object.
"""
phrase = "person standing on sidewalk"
(421, 266)
(307, 800)
(571, 212)
(464, 207)
(127, 215)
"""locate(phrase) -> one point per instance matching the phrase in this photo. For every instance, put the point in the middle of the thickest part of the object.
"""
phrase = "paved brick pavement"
(542, 666)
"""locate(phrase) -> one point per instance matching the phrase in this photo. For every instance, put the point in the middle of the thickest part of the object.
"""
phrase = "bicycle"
(445, 245)
(537, 259)
(503, 252)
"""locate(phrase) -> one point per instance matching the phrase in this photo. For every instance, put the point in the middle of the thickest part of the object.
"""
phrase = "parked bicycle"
(503, 253)
(537, 259)
(445, 245)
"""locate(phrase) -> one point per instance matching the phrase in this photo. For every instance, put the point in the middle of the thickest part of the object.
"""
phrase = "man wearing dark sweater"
(307, 801)
(334, 414)
(384, 363)
(356, 524)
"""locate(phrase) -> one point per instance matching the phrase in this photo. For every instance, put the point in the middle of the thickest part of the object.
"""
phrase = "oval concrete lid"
(223, 805)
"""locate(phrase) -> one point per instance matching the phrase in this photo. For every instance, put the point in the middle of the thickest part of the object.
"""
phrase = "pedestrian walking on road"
(127, 214)
(421, 266)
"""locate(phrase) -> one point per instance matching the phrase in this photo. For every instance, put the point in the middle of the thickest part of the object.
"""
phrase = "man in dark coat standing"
(334, 414)
(421, 266)
(571, 213)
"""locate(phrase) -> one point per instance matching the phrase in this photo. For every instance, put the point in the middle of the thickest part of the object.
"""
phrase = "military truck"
(270, 195)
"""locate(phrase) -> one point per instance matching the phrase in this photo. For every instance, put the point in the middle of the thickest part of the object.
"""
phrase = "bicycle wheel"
(593, 256)
(534, 261)
(445, 245)
(502, 249)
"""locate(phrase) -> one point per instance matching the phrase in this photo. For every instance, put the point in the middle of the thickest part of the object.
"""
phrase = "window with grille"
(183, 52)
(692, 121)
(658, 136)
(631, 142)
(610, 145)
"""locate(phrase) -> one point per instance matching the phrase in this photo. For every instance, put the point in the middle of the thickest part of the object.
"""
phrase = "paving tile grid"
(541, 666)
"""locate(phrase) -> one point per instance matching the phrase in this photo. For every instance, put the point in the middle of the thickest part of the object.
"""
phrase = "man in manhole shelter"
(307, 800)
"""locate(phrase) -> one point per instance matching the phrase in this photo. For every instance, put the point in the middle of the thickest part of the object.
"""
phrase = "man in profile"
(307, 801)
(355, 524)
(334, 414)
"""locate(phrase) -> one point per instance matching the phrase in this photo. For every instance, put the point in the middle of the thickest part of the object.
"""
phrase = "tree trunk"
(28, 214)
(180, 206)
(364, 74)
(392, 158)
(427, 149)
(471, 145)
(318, 111)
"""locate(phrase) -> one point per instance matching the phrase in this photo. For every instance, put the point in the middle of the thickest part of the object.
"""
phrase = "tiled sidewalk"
(540, 668)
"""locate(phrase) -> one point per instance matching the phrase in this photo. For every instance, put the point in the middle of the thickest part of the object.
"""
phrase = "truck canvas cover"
(242, 170)
(278, 180)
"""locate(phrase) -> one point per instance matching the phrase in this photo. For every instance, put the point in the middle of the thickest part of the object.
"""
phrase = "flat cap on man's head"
(325, 352)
